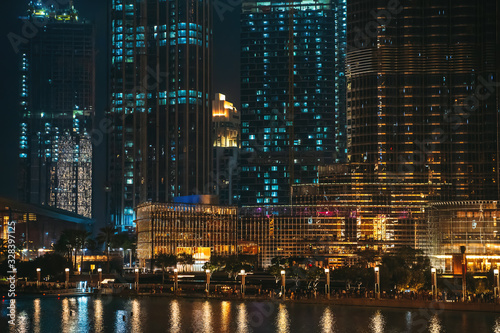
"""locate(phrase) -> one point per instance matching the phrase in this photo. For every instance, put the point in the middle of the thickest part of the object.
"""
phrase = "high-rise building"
(57, 108)
(226, 122)
(292, 95)
(422, 98)
(161, 145)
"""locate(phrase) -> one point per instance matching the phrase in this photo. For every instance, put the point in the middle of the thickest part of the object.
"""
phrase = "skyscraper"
(161, 144)
(422, 98)
(292, 94)
(57, 108)
(227, 145)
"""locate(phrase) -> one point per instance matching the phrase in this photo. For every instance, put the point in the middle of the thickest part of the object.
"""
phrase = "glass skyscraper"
(292, 95)
(160, 146)
(57, 109)
(422, 98)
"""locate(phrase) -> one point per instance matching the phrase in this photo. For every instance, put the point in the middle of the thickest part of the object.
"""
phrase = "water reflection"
(98, 316)
(327, 321)
(435, 325)
(496, 328)
(135, 316)
(207, 317)
(83, 318)
(243, 318)
(65, 324)
(36, 315)
(377, 322)
(282, 321)
(22, 322)
(120, 324)
(175, 317)
(226, 316)
(409, 321)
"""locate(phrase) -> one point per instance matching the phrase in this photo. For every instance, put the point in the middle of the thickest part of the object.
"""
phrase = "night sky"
(226, 80)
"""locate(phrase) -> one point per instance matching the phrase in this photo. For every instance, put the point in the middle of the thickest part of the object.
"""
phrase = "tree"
(296, 273)
(216, 263)
(165, 260)
(82, 237)
(313, 276)
(67, 243)
(104, 237)
(185, 259)
(277, 265)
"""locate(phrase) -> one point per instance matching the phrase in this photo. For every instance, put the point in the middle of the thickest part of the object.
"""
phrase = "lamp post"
(283, 281)
(66, 282)
(434, 284)
(38, 274)
(99, 271)
(137, 279)
(464, 274)
(207, 289)
(377, 282)
(497, 282)
(243, 274)
(327, 285)
(176, 280)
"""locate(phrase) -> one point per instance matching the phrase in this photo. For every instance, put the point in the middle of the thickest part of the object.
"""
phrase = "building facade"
(57, 109)
(292, 95)
(472, 224)
(200, 230)
(422, 98)
(227, 145)
(37, 228)
(350, 210)
(161, 144)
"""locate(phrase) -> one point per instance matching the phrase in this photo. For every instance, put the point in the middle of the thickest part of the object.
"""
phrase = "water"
(112, 314)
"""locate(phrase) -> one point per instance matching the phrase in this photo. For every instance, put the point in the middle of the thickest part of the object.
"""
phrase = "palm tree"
(165, 260)
(82, 237)
(66, 243)
(105, 237)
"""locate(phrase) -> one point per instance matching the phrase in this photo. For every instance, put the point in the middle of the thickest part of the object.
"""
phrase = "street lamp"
(377, 282)
(434, 284)
(207, 289)
(327, 285)
(137, 279)
(176, 280)
(283, 281)
(38, 274)
(243, 274)
(67, 278)
(497, 282)
(99, 271)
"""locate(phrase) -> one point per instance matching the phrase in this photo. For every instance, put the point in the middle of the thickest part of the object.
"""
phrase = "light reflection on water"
(377, 322)
(175, 317)
(282, 321)
(36, 316)
(120, 323)
(435, 325)
(116, 315)
(328, 322)
(243, 318)
(83, 317)
(496, 328)
(226, 316)
(98, 316)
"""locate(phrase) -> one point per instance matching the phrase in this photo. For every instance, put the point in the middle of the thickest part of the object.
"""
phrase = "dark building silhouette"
(161, 95)
(57, 108)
